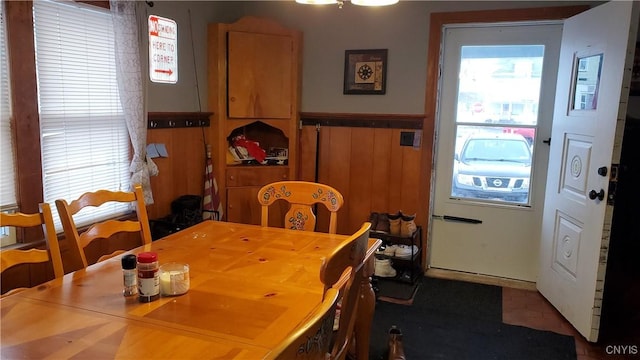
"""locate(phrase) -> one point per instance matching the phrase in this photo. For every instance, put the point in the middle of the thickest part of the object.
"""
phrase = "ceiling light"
(374, 2)
(317, 2)
(355, 2)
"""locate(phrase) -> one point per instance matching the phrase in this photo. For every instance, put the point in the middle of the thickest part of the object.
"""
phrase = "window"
(84, 140)
(497, 117)
(587, 80)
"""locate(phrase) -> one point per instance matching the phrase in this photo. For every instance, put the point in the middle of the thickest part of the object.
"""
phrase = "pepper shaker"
(130, 275)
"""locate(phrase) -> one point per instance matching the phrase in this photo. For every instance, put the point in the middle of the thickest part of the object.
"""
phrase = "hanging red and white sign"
(163, 50)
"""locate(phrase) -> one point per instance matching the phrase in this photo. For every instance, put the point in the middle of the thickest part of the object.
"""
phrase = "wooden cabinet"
(251, 176)
(243, 184)
(260, 75)
(254, 91)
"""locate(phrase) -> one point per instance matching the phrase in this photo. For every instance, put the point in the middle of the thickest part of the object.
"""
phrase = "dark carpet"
(460, 320)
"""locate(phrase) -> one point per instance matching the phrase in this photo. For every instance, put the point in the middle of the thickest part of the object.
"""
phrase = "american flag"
(211, 205)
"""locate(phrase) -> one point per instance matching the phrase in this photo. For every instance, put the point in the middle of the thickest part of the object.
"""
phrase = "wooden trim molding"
(163, 120)
(385, 121)
(25, 122)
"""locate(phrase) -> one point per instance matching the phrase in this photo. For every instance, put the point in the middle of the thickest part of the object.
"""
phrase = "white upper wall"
(327, 32)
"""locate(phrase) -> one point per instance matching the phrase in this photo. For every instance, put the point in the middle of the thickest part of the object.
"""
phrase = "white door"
(498, 82)
(592, 90)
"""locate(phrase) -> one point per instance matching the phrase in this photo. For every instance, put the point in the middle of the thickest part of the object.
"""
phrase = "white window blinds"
(85, 145)
(7, 173)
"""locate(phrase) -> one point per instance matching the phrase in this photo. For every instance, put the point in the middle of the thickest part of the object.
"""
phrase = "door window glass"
(586, 82)
(496, 121)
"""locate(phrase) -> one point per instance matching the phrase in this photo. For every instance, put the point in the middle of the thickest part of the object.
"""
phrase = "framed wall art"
(365, 71)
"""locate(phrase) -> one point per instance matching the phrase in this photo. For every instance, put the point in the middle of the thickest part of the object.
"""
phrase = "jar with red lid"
(148, 277)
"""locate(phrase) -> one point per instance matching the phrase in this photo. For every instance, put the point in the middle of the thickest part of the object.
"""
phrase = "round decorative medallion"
(567, 247)
(365, 72)
(576, 166)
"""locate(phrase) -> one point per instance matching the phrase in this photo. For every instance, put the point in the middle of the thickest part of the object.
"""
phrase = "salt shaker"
(130, 275)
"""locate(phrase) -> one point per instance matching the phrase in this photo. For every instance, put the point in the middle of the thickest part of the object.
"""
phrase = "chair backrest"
(10, 258)
(105, 229)
(301, 195)
(312, 339)
(340, 271)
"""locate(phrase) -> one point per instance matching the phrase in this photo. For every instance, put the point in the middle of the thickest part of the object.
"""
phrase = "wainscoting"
(361, 156)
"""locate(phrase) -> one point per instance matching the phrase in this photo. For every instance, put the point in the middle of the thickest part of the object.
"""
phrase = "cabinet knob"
(284, 176)
(232, 177)
(232, 98)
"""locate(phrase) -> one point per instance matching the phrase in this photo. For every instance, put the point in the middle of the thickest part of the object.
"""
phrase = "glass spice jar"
(130, 275)
(148, 277)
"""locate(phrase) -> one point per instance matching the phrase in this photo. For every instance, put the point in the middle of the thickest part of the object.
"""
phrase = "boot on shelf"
(408, 225)
(396, 350)
(394, 223)
(383, 268)
(373, 219)
(382, 226)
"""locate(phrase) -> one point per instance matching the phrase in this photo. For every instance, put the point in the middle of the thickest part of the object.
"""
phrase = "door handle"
(596, 195)
(457, 218)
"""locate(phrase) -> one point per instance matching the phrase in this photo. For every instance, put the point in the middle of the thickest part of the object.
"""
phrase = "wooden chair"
(312, 339)
(315, 338)
(105, 229)
(339, 271)
(301, 195)
(10, 258)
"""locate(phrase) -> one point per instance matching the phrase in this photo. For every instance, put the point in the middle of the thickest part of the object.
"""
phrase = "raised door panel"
(260, 75)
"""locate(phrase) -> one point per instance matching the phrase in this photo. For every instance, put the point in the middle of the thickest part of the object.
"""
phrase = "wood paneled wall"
(182, 173)
(360, 155)
(365, 162)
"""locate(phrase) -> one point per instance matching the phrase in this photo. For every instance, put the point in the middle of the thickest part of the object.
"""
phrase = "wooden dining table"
(249, 287)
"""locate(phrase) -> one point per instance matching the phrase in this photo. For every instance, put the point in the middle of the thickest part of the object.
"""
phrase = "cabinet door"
(243, 207)
(260, 75)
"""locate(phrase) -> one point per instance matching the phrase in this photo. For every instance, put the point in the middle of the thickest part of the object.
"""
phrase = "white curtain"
(130, 86)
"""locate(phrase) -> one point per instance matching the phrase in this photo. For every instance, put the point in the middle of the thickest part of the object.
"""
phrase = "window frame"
(24, 99)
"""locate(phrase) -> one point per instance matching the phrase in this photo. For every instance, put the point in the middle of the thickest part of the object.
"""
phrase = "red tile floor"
(529, 308)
